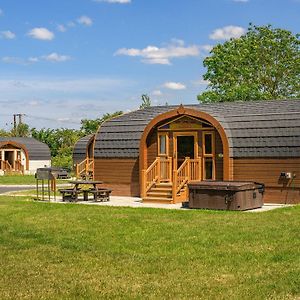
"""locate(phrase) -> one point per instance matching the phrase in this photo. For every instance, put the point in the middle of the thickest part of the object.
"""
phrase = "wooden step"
(165, 184)
(158, 200)
(155, 194)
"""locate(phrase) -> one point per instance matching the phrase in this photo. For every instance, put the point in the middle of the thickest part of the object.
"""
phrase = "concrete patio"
(136, 202)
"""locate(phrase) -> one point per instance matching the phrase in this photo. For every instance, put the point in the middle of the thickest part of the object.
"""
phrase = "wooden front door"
(185, 144)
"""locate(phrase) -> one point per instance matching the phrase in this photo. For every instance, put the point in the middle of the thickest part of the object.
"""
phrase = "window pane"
(162, 144)
(208, 168)
(208, 143)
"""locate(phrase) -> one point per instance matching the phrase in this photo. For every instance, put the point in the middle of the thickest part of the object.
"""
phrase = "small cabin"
(155, 152)
(23, 155)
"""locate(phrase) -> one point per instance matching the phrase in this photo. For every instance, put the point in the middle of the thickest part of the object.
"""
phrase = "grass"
(21, 180)
(72, 251)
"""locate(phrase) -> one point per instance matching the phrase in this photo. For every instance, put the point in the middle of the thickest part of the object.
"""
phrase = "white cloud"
(200, 81)
(206, 48)
(61, 28)
(41, 33)
(54, 57)
(7, 34)
(12, 60)
(71, 24)
(85, 20)
(33, 59)
(163, 55)
(174, 85)
(114, 1)
(71, 86)
(227, 33)
(156, 93)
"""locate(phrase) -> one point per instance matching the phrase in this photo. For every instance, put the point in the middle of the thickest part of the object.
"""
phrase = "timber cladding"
(121, 175)
(267, 171)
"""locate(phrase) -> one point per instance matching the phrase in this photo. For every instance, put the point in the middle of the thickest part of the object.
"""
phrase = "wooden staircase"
(15, 169)
(85, 169)
(162, 185)
(160, 193)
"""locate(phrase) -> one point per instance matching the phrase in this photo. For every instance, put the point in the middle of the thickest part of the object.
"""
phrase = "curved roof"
(81, 148)
(36, 149)
(254, 129)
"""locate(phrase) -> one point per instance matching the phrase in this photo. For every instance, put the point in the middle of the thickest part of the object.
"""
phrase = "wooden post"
(143, 184)
(188, 168)
(158, 169)
(170, 168)
(174, 186)
(86, 166)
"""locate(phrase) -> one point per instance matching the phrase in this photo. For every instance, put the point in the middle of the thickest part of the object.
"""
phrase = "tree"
(89, 126)
(21, 130)
(146, 101)
(4, 133)
(61, 143)
(262, 64)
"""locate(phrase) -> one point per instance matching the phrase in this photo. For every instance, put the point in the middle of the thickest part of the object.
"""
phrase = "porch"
(11, 161)
(164, 183)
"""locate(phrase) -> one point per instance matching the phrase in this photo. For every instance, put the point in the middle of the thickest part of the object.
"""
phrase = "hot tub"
(225, 195)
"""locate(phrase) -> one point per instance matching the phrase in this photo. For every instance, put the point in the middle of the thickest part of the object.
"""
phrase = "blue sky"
(64, 60)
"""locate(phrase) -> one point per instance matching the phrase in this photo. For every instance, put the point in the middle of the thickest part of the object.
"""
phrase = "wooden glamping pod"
(83, 157)
(155, 152)
(23, 155)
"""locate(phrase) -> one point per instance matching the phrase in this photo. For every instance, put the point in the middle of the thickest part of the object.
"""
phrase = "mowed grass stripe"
(51, 251)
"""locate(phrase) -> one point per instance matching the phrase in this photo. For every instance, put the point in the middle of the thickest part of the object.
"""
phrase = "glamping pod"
(23, 155)
(83, 157)
(155, 152)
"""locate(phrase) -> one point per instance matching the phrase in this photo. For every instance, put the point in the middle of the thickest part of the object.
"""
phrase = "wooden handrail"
(182, 175)
(19, 166)
(165, 169)
(80, 166)
(7, 165)
(91, 165)
(159, 170)
(195, 169)
(188, 171)
(85, 167)
(151, 174)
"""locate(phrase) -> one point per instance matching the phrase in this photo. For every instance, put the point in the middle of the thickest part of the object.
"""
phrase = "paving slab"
(135, 202)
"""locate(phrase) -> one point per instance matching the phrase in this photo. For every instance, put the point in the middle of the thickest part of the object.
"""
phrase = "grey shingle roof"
(36, 149)
(80, 148)
(254, 129)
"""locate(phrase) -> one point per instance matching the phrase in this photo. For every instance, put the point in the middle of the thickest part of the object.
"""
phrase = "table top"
(85, 182)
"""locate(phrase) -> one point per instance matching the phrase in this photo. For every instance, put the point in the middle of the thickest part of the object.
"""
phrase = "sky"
(65, 60)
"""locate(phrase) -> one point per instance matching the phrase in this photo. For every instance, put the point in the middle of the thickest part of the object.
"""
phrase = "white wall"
(34, 164)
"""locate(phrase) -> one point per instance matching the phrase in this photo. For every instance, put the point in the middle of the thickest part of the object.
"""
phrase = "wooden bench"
(70, 194)
(100, 194)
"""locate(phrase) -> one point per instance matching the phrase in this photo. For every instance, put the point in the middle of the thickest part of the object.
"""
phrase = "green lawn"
(73, 251)
(21, 179)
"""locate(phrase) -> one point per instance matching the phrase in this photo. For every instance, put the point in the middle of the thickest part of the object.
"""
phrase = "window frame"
(166, 134)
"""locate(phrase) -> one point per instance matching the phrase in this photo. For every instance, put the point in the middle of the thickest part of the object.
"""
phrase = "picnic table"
(72, 194)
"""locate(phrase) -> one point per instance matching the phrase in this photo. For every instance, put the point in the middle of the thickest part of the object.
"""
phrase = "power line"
(52, 119)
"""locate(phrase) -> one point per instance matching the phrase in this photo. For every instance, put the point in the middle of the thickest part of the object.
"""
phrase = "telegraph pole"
(19, 121)
(15, 122)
